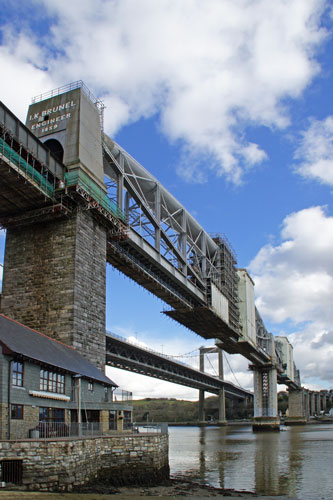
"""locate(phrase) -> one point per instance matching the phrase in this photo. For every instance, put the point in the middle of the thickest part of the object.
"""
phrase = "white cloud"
(313, 351)
(20, 60)
(208, 69)
(294, 281)
(315, 151)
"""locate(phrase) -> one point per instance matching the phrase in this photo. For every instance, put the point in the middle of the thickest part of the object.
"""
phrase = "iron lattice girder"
(188, 242)
(126, 356)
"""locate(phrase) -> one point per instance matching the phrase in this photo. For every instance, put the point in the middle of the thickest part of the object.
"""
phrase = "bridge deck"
(126, 356)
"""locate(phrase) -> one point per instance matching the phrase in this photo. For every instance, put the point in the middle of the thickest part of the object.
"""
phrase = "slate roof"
(20, 339)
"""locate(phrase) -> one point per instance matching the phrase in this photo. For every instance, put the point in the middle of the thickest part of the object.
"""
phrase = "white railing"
(67, 88)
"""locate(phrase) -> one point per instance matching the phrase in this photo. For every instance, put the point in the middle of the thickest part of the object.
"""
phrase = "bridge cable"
(211, 365)
(185, 354)
(231, 370)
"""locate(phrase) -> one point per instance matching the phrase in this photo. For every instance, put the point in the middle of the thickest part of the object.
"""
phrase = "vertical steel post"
(183, 238)
(120, 183)
(157, 202)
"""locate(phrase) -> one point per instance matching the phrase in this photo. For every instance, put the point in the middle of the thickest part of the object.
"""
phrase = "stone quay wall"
(67, 464)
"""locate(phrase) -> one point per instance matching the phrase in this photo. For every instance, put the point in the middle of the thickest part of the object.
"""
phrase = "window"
(90, 386)
(127, 419)
(16, 412)
(17, 377)
(52, 382)
(113, 420)
(106, 394)
(55, 415)
(52, 423)
(90, 415)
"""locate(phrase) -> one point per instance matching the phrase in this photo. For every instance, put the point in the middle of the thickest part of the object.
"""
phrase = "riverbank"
(169, 490)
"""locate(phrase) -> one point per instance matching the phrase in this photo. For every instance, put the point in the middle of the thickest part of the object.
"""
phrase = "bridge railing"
(43, 183)
(78, 177)
(79, 84)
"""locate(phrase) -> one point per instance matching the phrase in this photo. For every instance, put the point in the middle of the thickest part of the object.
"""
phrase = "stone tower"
(55, 270)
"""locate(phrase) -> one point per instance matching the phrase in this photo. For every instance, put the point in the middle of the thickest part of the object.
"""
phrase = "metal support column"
(158, 217)
(183, 241)
(120, 183)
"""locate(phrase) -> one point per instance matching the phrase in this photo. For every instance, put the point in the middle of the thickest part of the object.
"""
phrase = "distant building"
(47, 388)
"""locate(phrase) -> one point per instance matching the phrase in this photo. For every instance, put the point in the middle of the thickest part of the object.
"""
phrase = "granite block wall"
(65, 465)
(54, 281)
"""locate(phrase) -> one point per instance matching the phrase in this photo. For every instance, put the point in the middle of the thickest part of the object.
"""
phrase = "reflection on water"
(297, 462)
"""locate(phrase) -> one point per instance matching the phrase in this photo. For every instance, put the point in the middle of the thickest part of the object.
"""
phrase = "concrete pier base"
(297, 407)
(295, 420)
(265, 399)
(266, 424)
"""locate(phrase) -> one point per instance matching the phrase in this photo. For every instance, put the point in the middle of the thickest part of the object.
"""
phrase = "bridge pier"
(265, 399)
(266, 416)
(54, 281)
(323, 400)
(311, 400)
(201, 415)
(316, 403)
(297, 404)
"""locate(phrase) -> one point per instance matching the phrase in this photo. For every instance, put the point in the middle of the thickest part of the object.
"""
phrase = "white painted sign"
(49, 119)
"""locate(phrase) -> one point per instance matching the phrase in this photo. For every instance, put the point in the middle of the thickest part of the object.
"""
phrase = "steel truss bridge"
(152, 238)
(128, 356)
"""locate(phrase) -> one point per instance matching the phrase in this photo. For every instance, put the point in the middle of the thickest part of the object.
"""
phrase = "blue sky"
(229, 105)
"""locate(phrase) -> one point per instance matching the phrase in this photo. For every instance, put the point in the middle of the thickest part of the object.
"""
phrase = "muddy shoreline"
(167, 490)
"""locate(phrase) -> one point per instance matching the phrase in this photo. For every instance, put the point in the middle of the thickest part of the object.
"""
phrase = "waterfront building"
(48, 389)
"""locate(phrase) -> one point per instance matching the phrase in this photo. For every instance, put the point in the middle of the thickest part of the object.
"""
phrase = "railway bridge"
(72, 199)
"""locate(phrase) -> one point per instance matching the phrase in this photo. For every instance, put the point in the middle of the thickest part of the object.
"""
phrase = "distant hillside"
(165, 410)
(175, 410)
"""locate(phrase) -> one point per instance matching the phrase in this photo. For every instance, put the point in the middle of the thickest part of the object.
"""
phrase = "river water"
(297, 462)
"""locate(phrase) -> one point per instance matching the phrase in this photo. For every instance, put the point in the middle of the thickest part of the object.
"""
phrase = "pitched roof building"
(48, 387)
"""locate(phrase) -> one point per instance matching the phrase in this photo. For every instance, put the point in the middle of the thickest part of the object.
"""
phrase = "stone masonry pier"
(67, 464)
